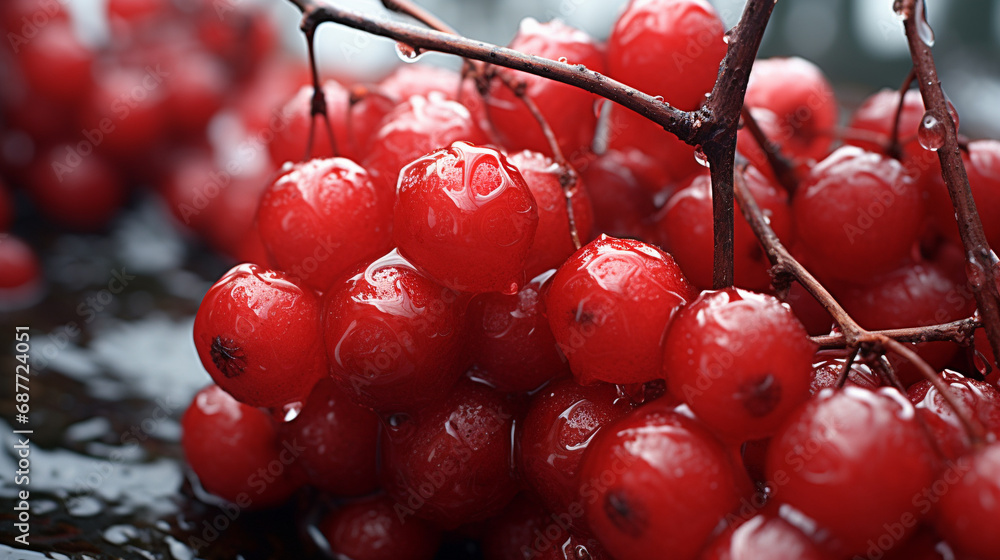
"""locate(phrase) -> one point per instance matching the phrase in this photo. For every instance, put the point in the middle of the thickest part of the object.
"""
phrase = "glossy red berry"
(526, 531)
(670, 48)
(686, 231)
(857, 213)
(621, 192)
(763, 536)
(561, 421)
(971, 502)
(511, 341)
(853, 461)
(257, 333)
(353, 124)
(740, 360)
(609, 305)
(980, 399)
(340, 441)
(393, 335)
(466, 217)
(322, 218)
(801, 98)
(627, 130)
(553, 243)
(371, 529)
(655, 481)
(982, 164)
(828, 365)
(407, 80)
(235, 451)
(74, 191)
(568, 110)
(415, 128)
(450, 462)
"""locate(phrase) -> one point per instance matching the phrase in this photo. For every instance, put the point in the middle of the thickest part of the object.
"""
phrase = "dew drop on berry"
(931, 132)
(563, 59)
(700, 157)
(408, 53)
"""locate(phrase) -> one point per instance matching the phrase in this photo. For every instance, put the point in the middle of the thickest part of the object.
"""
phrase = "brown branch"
(981, 266)
(956, 331)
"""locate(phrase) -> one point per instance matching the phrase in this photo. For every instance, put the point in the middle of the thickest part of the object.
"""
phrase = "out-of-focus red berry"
(371, 529)
(76, 188)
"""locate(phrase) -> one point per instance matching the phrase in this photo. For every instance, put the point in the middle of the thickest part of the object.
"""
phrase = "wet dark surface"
(111, 376)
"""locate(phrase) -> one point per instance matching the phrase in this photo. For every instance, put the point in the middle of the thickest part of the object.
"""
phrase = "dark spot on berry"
(228, 357)
(625, 515)
(584, 317)
(760, 396)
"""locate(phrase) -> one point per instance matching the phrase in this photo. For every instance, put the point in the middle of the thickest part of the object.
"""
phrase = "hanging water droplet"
(563, 59)
(931, 132)
(408, 53)
(700, 157)
(923, 28)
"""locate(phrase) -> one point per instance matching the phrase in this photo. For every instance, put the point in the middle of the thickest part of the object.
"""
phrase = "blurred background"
(132, 151)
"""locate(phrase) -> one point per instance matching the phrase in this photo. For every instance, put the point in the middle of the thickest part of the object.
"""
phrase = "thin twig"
(956, 331)
(779, 163)
(893, 149)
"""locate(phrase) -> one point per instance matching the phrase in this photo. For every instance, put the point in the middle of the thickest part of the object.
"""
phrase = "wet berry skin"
(340, 440)
(827, 366)
(19, 267)
(553, 243)
(740, 360)
(608, 306)
(321, 218)
(370, 529)
(857, 213)
(561, 421)
(978, 397)
(393, 335)
(686, 230)
(465, 216)
(235, 451)
(511, 341)
(569, 111)
(763, 536)
(527, 531)
(257, 333)
(967, 513)
(853, 460)
(656, 480)
(450, 462)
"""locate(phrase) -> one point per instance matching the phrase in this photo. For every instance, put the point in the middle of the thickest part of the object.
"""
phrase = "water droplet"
(727, 37)
(288, 412)
(931, 132)
(700, 157)
(923, 28)
(397, 420)
(563, 59)
(407, 53)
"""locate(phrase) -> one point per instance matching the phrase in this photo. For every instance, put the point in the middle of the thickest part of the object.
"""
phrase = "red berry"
(853, 460)
(393, 335)
(562, 420)
(511, 339)
(465, 216)
(235, 451)
(827, 368)
(134, 11)
(609, 305)
(631, 131)
(257, 333)
(670, 48)
(982, 163)
(656, 481)
(526, 531)
(353, 124)
(970, 503)
(56, 66)
(414, 128)
(20, 274)
(978, 398)
(801, 98)
(339, 441)
(685, 226)
(740, 360)
(195, 94)
(371, 529)
(763, 537)
(620, 185)
(322, 218)
(815, 318)
(450, 463)
(408, 80)
(857, 213)
(126, 113)
(553, 243)
(568, 110)
(75, 191)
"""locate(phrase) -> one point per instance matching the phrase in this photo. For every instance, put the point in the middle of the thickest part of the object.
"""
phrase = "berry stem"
(981, 262)
(318, 105)
(848, 363)
(894, 149)
(778, 162)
